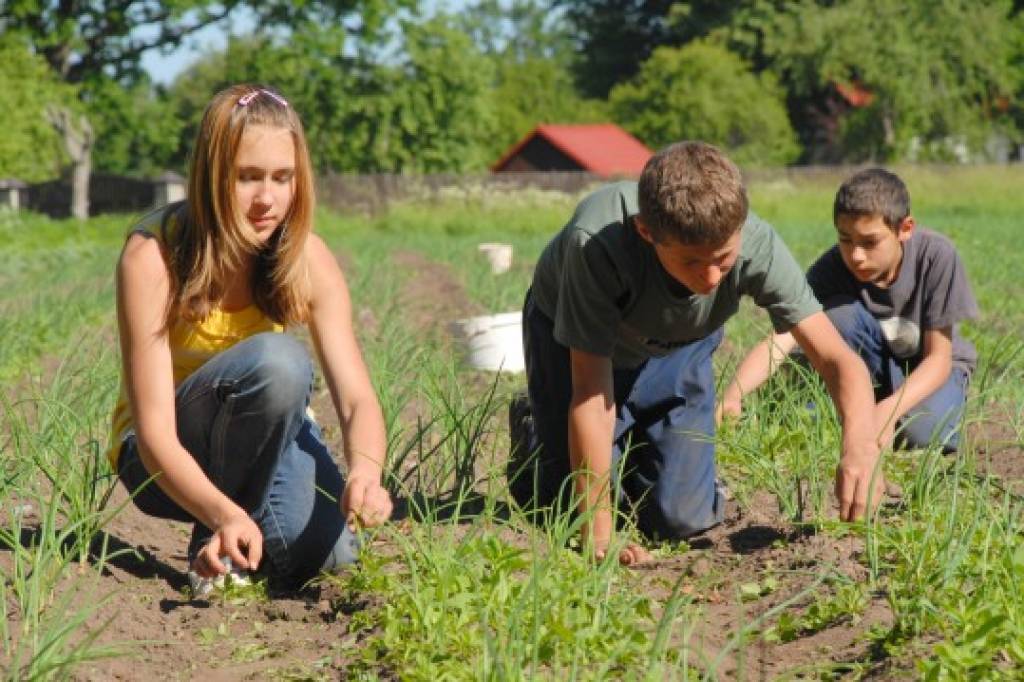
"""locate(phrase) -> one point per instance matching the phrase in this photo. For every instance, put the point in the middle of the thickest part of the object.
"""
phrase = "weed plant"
(56, 480)
(517, 600)
(787, 443)
(62, 432)
(46, 600)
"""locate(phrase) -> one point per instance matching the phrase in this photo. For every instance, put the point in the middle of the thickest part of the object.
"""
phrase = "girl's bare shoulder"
(316, 247)
(142, 257)
(320, 257)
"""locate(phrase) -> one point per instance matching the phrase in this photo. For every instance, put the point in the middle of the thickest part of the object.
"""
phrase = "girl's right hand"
(366, 501)
(238, 538)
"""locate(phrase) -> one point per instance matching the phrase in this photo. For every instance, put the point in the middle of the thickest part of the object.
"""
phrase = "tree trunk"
(889, 129)
(78, 141)
(81, 169)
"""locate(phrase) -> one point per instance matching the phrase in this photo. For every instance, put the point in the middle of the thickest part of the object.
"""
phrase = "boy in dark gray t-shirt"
(896, 292)
(625, 310)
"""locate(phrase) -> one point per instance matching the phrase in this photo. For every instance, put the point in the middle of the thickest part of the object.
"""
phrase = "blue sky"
(164, 67)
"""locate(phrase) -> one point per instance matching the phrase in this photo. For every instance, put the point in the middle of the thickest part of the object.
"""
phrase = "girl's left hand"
(365, 501)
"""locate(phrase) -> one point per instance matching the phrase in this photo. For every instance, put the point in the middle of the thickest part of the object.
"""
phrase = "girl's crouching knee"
(281, 370)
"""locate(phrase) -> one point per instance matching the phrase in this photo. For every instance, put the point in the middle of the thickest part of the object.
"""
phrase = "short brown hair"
(873, 192)
(691, 193)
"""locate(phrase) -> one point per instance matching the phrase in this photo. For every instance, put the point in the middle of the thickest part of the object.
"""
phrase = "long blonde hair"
(207, 237)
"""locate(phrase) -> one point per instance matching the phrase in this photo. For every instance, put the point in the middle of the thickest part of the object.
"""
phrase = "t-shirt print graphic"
(902, 335)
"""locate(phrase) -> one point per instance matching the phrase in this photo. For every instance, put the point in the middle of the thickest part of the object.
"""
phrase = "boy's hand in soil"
(633, 555)
(238, 538)
(366, 502)
(729, 408)
(858, 485)
(630, 555)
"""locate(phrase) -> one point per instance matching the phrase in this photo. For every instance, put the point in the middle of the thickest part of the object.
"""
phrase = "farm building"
(603, 149)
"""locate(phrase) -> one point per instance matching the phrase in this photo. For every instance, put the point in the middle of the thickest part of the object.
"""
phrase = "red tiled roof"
(603, 148)
(855, 95)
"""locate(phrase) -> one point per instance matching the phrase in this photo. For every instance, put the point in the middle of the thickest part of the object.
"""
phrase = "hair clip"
(248, 97)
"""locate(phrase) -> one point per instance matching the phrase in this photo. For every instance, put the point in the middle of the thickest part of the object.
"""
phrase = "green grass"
(518, 610)
(471, 590)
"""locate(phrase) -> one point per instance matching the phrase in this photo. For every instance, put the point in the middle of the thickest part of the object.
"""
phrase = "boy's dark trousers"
(664, 424)
(936, 419)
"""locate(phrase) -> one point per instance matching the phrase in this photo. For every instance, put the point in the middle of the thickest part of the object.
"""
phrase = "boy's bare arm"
(848, 382)
(927, 377)
(591, 430)
(759, 364)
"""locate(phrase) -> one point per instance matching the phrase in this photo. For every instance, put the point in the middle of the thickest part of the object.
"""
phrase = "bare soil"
(305, 635)
(433, 295)
(1000, 446)
(755, 545)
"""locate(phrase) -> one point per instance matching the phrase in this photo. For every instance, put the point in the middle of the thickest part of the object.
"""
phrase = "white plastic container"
(498, 255)
(492, 342)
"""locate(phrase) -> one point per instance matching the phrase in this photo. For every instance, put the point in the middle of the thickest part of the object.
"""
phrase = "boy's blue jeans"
(936, 419)
(664, 425)
(242, 416)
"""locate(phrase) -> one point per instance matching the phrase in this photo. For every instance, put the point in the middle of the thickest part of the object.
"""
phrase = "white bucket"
(492, 342)
(498, 255)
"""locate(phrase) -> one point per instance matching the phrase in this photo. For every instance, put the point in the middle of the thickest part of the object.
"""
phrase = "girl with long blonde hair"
(212, 425)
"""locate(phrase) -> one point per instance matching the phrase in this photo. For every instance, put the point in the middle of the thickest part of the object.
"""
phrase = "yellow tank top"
(192, 344)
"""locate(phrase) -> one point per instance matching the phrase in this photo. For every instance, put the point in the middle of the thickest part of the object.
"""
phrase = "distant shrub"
(704, 92)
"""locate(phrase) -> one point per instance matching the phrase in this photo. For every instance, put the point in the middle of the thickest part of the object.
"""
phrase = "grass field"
(460, 586)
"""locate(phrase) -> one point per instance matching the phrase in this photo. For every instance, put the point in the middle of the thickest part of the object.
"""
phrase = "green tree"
(940, 73)
(431, 111)
(93, 44)
(425, 107)
(308, 68)
(517, 30)
(30, 149)
(613, 37)
(534, 91)
(531, 50)
(86, 40)
(136, 132)
(703, 91)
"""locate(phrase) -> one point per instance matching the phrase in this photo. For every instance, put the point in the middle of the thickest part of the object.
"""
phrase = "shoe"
(345, 550)
(202, 587)
(520, 470)
(722, 489)
(520, 427)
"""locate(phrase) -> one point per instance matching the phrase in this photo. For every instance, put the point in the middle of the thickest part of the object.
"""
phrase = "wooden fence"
(108, 193)
(372, 194)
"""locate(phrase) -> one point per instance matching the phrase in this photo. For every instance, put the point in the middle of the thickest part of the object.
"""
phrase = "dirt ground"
(305, 635)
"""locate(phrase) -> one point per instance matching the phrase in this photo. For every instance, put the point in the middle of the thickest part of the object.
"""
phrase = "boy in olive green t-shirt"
(625, 310)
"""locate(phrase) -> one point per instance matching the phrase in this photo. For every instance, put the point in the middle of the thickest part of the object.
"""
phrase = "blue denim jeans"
(936, 419)
(242, 416)
(664, 428)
